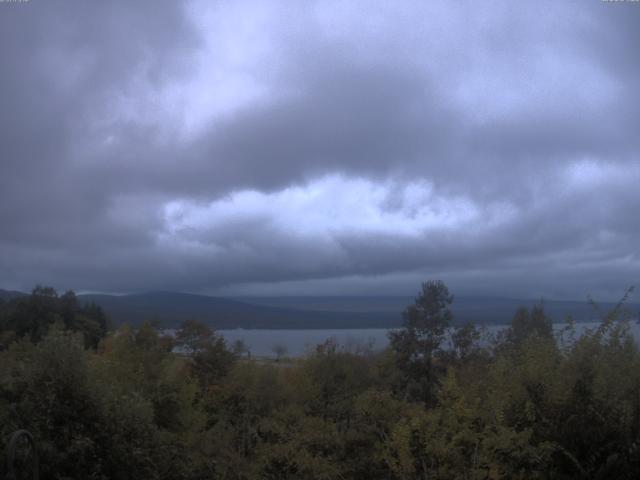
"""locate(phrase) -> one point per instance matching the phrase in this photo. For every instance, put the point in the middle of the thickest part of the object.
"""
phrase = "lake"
(261, 343)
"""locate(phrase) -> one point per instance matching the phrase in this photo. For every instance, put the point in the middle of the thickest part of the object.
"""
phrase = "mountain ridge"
(310, 312)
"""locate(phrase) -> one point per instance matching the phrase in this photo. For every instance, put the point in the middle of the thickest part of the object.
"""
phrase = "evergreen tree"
(416, 344)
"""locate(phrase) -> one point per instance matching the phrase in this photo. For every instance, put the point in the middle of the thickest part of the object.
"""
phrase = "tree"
(193, 336)
(463, 339)
(425, 324)
(34, 315)
(212, 361)
(280, 351)
(526, 323)
(83, 428)
(240, 348)
(91, 321)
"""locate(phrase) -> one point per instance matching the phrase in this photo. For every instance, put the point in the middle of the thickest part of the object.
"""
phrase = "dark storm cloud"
(357, 144)
(64, 65)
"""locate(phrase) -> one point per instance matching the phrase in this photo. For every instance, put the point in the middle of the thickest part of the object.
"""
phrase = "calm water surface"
(262, 343)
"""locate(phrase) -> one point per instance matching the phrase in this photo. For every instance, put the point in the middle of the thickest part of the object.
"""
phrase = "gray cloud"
(264, 147)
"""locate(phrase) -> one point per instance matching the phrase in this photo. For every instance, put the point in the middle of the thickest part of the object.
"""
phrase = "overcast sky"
(321, 147)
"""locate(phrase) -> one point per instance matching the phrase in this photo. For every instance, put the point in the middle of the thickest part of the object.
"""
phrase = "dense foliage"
(34, 315)
(438, 403)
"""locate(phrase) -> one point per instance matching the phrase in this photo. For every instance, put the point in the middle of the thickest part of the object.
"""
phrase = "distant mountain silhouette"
(9, 294)
(312, 312)
(170, 308)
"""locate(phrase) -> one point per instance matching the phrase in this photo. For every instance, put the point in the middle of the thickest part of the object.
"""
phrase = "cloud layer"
(325, 147)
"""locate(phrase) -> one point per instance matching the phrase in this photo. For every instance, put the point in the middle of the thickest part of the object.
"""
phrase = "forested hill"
(320, 311)
(9, 294)
(170, 308)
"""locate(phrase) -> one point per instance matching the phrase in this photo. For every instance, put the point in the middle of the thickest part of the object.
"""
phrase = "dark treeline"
(122, 404)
